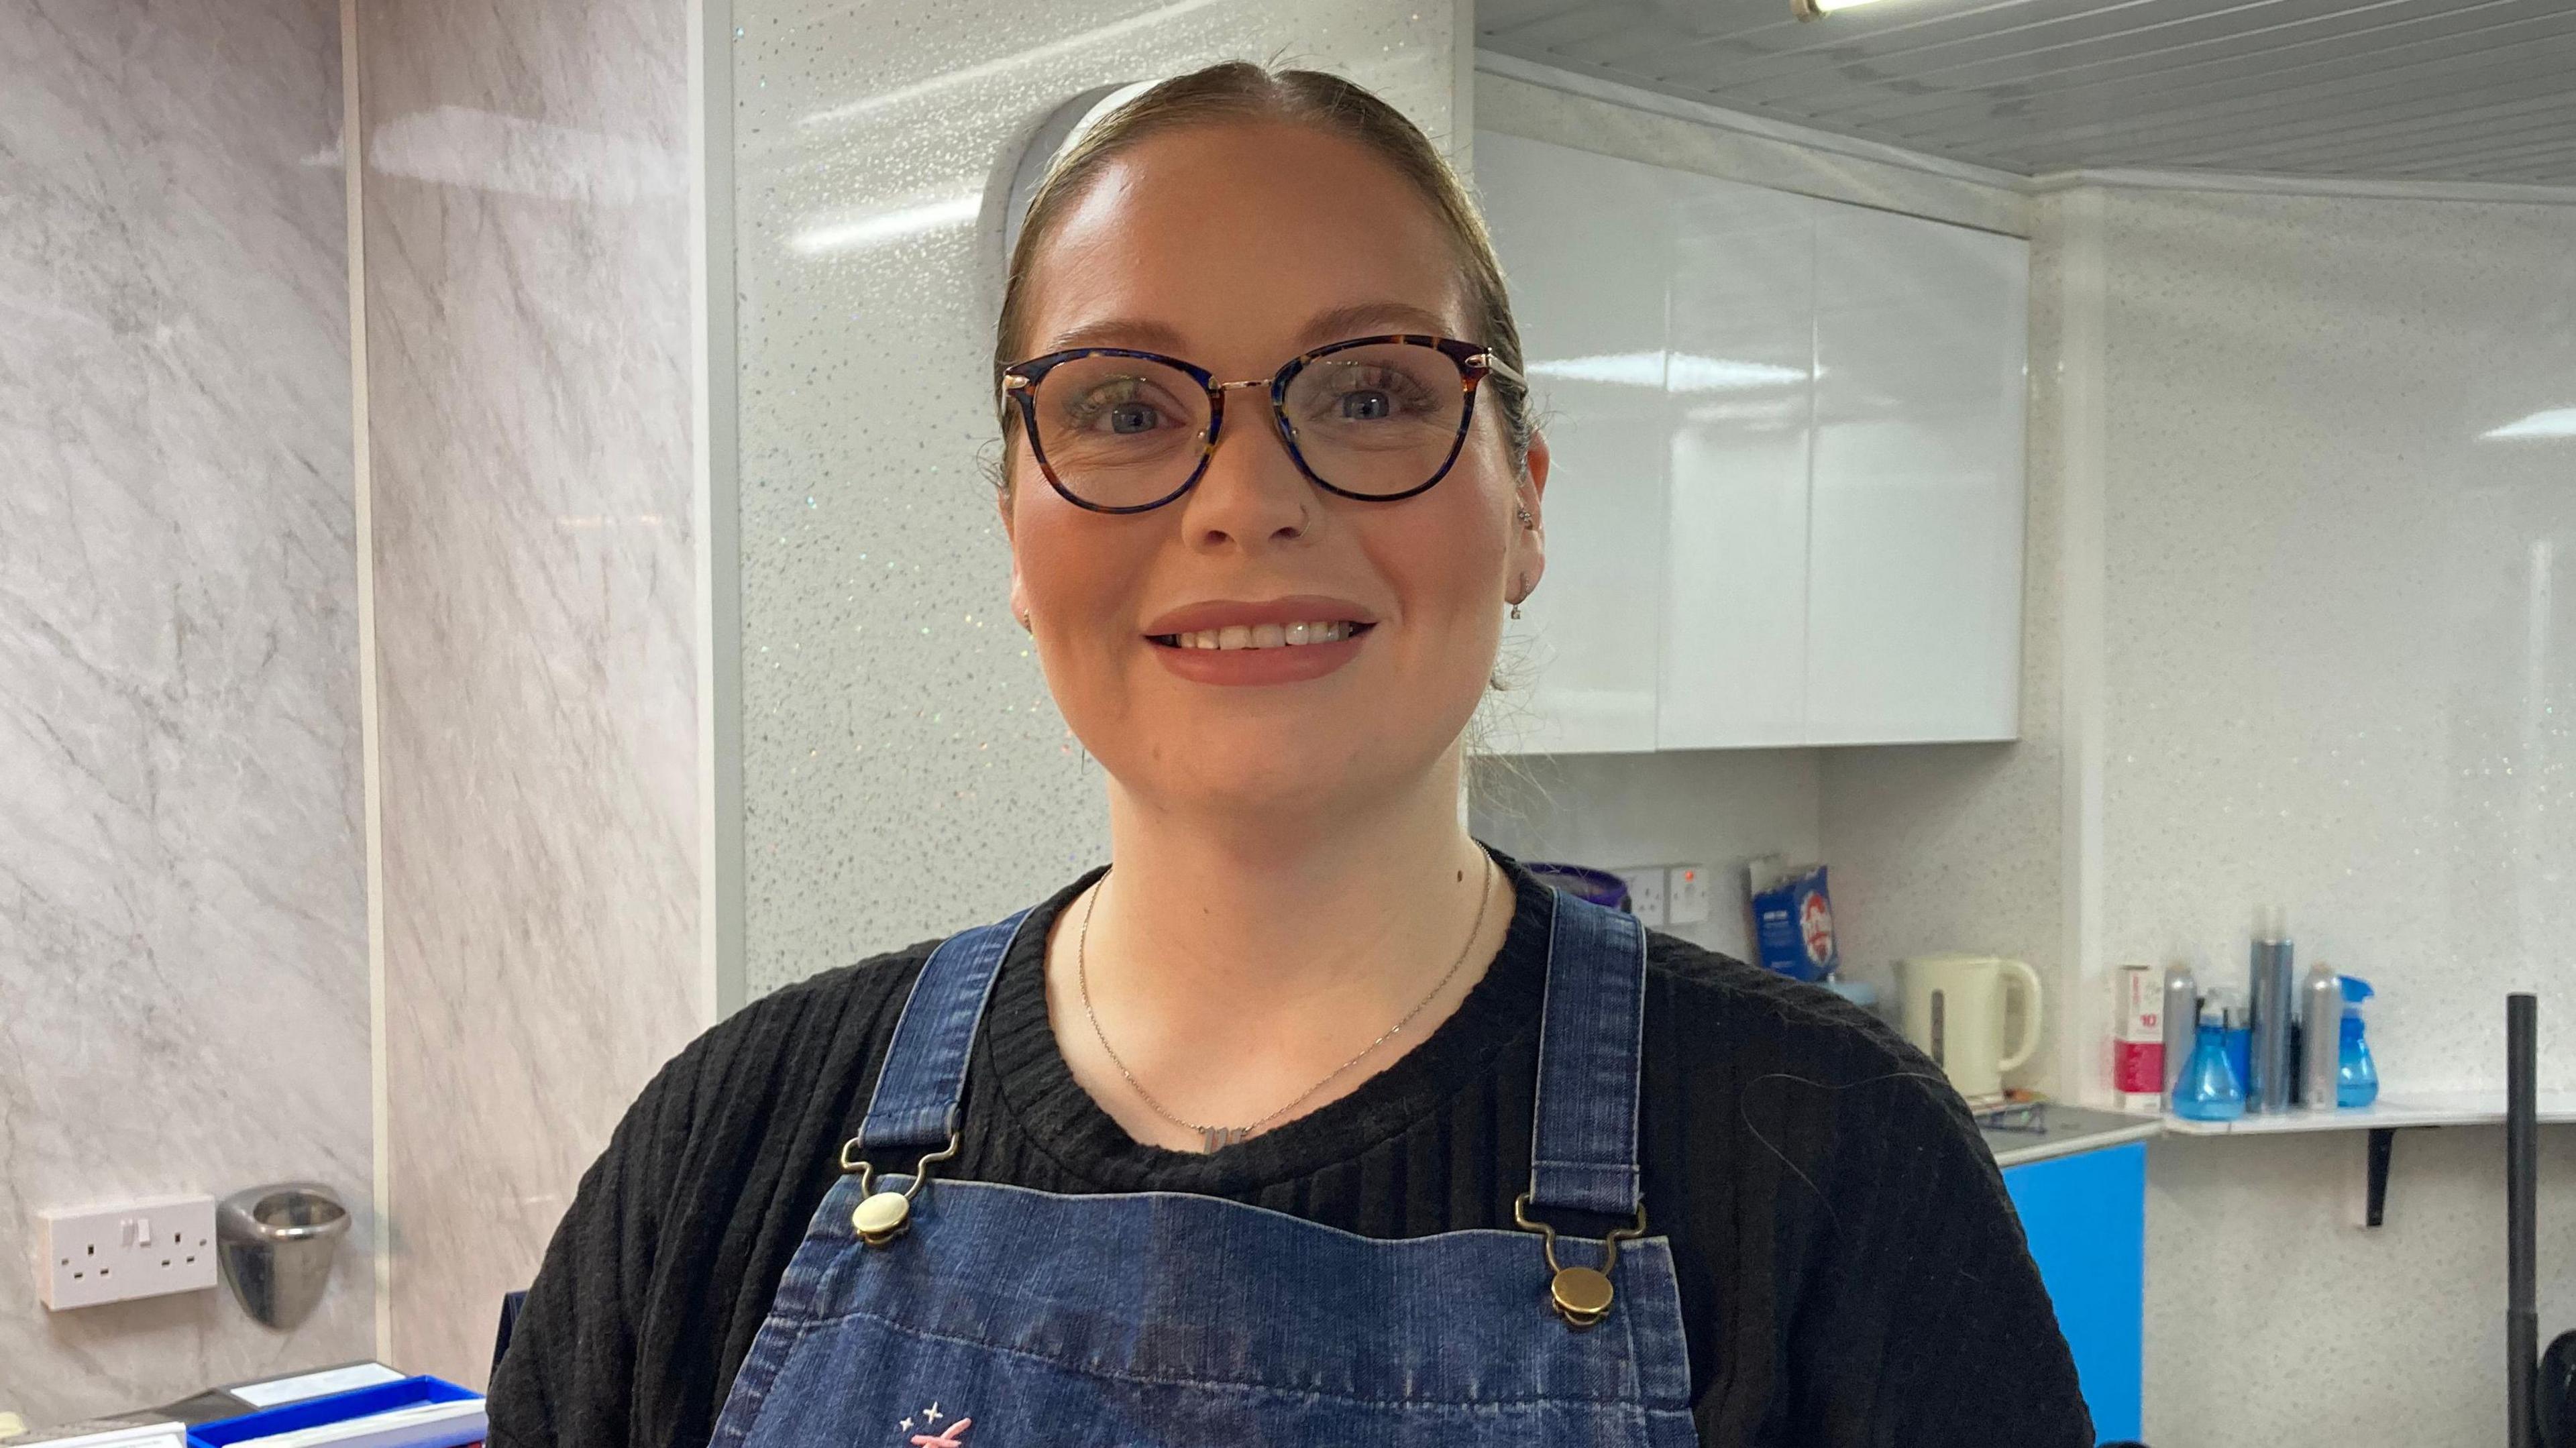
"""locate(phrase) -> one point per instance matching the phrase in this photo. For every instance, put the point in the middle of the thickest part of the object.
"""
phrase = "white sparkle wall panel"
(2335, 475)
(2339, 602)
(903, 772)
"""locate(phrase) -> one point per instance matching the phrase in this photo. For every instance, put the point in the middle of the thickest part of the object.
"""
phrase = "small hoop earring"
(1516, 610)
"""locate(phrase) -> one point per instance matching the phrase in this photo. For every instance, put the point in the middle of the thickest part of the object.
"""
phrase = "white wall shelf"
(2421, 1108)
(2383, 1119)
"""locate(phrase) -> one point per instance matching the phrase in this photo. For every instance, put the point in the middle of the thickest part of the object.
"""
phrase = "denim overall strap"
(1583, 1133)
(916, 1103)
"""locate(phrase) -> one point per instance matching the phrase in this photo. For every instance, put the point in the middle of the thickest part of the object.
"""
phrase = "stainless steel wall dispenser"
(276, 1244)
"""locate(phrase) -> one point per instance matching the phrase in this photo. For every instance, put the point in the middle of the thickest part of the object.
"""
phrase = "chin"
(1263, 776)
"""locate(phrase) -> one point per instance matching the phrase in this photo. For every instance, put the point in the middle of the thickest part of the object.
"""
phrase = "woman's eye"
(1117, 412)
(1131, 417)
(1366, 405)
(1375, 395)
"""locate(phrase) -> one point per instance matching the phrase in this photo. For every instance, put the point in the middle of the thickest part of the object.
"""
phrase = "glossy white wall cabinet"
(1593, 237)
(1788, 509)
(1740, 329)
(1914, 508)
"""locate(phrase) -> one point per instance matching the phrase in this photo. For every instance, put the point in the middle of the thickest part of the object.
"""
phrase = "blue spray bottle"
(2209, 1088)
(2356, 1075)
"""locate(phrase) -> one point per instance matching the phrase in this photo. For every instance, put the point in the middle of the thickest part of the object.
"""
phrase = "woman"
(1311, 1120)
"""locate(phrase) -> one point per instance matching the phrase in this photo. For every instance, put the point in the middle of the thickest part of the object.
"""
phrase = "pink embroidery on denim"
(945, 1439)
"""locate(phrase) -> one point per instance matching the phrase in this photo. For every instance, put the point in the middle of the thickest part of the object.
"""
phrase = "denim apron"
(992, 1316)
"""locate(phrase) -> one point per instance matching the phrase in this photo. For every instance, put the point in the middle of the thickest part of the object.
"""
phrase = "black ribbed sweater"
(1851, 1272)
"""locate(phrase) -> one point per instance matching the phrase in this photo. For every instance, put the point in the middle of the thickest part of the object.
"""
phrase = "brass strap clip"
(883, 1216)
(1580, 1295)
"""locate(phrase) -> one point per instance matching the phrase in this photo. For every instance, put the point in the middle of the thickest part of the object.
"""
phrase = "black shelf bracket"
(2383, 1140)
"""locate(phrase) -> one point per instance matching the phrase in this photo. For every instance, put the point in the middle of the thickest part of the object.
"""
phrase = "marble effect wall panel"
(527, 214)
(183, 955)
(904, 771)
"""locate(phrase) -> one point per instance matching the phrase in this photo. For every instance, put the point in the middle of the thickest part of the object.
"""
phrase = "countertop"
(2035, 1133)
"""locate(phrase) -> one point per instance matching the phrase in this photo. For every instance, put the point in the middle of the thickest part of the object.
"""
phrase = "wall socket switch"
(1645, 893)
(1686, 895)
(137, 1249)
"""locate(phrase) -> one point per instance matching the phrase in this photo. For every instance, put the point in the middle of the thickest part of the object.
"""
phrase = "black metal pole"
(2522, 1315)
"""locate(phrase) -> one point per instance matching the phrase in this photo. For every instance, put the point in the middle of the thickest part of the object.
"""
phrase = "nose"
(1252, 492)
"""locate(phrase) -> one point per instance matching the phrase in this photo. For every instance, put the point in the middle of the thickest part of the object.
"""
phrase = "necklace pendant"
(1218, 1136)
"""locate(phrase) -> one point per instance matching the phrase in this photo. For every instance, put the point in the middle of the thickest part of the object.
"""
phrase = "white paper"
(313, 1385)
(420, 1424)
(110, 1435)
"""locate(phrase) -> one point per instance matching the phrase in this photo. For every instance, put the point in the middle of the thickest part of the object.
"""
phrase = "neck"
(1265, 906)
(1232, 963)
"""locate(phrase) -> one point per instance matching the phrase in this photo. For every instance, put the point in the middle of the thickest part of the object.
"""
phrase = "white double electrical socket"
(1686, 894)
(1662, 895)
(136, 1249)
(1645, 892)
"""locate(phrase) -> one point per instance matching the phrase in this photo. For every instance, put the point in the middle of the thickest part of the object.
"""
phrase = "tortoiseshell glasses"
(1376, 418)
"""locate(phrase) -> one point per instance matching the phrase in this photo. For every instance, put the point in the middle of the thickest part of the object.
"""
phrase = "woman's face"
(1236, 248)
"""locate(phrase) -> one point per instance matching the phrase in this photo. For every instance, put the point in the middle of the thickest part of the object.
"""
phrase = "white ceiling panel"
(2448, 90)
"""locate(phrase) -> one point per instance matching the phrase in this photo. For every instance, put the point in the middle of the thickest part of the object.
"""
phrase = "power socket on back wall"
(1662, 896)
(136, 1249)
(1645, 893)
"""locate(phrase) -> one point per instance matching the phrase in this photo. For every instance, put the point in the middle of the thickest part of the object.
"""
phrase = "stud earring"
(1526, 520)
(1516, 610)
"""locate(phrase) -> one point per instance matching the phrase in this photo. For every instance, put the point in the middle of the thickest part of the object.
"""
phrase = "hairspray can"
(2179, 1014)
(2320, 1036)
(2272, 990)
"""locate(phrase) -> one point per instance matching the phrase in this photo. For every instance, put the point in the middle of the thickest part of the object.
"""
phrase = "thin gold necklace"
(1217, 1136)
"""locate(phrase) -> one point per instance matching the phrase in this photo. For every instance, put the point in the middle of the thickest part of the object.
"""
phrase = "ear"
(1002, 497)
(1529, 545)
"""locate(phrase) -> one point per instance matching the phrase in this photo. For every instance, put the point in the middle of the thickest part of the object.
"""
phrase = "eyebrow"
(1326, 326)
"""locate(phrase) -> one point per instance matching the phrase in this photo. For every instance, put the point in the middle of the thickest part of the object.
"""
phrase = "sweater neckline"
(1018, 1058)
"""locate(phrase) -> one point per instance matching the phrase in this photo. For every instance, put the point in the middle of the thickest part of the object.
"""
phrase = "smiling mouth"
(1265, 635)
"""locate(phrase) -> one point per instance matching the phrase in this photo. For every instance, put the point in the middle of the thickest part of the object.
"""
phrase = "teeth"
(1266, 635)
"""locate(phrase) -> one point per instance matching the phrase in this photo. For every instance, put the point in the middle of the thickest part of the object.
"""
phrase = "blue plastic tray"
(339, 1407)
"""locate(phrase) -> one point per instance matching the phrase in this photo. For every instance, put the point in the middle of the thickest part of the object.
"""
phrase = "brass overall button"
(1581, 1295)
(881, 1217)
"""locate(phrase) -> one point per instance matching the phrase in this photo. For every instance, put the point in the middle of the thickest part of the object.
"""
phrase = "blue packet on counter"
(1793, 921)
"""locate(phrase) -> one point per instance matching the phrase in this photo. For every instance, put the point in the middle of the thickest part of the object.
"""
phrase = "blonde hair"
(1235, 91)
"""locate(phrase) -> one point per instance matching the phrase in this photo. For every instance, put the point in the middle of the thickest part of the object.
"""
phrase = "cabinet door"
(1586, 243)
(2085, 1217)
(1739, 383)
(1915, 546)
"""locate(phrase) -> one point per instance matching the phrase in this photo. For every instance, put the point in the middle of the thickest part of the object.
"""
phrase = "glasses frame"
(1475, 363)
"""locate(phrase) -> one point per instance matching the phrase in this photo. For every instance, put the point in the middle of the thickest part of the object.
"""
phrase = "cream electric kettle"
(1954, 1013)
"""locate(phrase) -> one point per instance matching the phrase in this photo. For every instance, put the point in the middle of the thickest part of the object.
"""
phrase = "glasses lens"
(1121, 432)
(1379, 419)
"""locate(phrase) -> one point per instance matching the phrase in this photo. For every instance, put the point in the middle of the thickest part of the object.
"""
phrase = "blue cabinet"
(2086, 1217)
